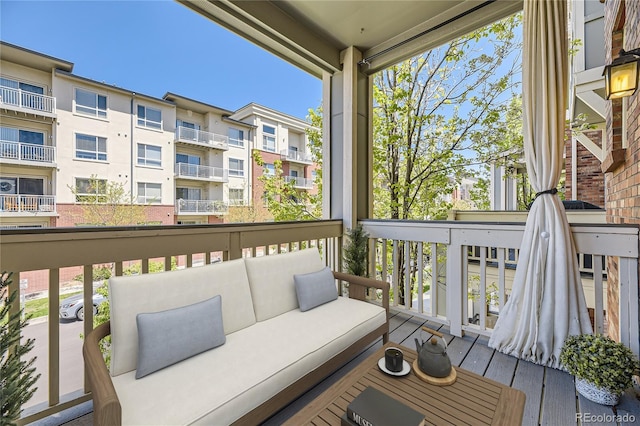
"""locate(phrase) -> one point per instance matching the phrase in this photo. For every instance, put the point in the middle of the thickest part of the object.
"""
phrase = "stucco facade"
(184, 159)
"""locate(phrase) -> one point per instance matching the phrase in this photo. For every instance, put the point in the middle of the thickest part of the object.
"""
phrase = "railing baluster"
(54, 336)
(483, 288)
(407, 275)
(384, 260)
(395, 273)
(598, 295)
(501, 277)
(434, 279)
(420, 278)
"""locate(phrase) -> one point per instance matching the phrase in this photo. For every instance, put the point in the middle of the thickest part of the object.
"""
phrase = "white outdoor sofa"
(272, 351)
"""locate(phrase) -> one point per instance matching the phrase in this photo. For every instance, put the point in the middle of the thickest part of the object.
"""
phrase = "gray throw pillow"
(167, 337)
(315, 289)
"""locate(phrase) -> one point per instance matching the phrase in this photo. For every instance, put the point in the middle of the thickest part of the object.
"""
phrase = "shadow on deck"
(551, 395)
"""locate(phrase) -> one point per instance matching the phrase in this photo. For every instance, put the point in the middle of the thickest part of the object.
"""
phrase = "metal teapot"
(432, 355)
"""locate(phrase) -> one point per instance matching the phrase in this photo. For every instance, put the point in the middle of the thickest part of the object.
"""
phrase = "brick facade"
(72, 215)
(622, 20)
(589, 176)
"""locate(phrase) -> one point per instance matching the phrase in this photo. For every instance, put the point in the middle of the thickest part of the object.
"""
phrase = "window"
(236, 196)
(149, 117)
(236, 167)
(149, 193)
(269, 169)
(21, 185)
(91, 147)
(236, 137)
(9, 134)
(188, 193)
(25, 87)
(91, 103)
(269, 138)
(187, 159)
(149, 155)
(91, 190)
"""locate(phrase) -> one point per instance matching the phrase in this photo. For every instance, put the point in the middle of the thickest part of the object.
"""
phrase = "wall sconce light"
(621, 77)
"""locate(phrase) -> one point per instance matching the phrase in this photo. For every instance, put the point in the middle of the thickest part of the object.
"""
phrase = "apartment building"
(185, 160)
(278, 137)
(211, 161)
(28, 128)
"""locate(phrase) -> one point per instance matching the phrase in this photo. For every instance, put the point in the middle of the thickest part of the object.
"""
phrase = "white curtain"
(547, 302)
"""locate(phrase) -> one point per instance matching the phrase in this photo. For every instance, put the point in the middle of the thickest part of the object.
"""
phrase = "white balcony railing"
(215, 207)
(297, 156)
(195, 171)
(14, 203)
(299, 182)
(461, 273)
(22, 100)
(200, 137)
(20, 151)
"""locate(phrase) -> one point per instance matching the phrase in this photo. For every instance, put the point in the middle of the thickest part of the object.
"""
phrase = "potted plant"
(603, 368)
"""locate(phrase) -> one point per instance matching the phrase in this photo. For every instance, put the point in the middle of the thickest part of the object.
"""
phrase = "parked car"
(73, 306)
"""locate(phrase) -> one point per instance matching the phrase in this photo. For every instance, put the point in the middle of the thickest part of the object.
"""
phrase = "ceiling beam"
(267, 26)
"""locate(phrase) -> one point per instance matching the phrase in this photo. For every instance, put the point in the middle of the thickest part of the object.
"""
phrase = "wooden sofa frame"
(106, 406)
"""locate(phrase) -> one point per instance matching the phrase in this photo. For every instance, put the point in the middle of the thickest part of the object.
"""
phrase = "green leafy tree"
(282, 199)
(431, 113)
(108, 203)
(17, 375)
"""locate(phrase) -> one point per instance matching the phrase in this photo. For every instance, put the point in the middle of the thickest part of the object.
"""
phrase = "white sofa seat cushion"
(271, 280)
(132, 295)
(221, 385)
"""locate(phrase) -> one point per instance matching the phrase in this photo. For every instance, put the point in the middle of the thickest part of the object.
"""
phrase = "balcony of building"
(201, 207)
(201, 138)
(299, 182)
(27, 154)
(201, 173)
(295, 156)
(27, 205)
(27, 103)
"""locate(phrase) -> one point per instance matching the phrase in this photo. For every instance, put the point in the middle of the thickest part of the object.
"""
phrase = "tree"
(108, 203)
(431, 113)
(17, 375)
(282, 199)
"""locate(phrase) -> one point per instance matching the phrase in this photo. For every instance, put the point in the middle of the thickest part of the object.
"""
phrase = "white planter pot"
(596, 394)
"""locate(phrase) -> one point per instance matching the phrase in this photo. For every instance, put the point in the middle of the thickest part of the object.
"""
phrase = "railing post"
(235, 246)
(454, 286)
(628, 299)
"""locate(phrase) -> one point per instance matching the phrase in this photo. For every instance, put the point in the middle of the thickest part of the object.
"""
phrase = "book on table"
(375, 408)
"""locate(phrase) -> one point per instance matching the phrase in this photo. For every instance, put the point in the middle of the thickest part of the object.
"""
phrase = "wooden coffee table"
(472, 399)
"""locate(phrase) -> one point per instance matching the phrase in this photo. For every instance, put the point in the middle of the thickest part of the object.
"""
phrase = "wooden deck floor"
(551, 395)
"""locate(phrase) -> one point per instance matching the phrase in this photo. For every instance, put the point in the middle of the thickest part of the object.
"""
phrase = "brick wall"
(72, 215)
(590, 179)
(622, 20)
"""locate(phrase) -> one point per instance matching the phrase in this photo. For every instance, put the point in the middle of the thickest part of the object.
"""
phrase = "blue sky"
(159, 46)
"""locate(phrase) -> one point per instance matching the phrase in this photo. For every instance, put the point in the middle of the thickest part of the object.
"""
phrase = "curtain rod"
(368, 60)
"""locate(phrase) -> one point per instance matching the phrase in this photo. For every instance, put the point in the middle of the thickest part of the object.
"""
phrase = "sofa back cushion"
(271, 280)
(146, 293)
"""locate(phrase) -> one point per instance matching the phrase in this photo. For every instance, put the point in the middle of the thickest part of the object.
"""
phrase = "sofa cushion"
(171, 336)
(315, 288)
(218, 387)
(271, 280)
(132, 295)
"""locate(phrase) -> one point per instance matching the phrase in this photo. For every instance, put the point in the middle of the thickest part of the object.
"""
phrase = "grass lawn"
(40, 307)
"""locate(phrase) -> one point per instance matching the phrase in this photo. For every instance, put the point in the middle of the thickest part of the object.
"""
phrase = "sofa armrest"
(106, 406)
(365, 282)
